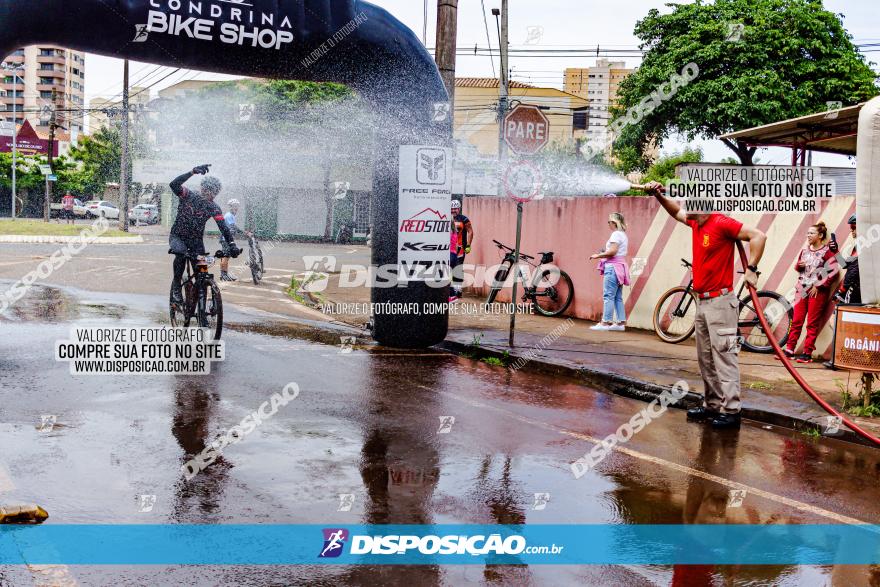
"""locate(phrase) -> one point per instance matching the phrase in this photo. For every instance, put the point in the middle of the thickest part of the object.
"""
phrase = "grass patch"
(811, 432)
(296, 293)
(504, 361)
(40, 228)
(760, 385)
(494, 361)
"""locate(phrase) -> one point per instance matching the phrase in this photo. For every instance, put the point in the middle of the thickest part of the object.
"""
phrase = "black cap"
(852, 219)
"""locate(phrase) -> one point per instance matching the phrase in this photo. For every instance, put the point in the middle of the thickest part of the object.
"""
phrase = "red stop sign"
(526, 129)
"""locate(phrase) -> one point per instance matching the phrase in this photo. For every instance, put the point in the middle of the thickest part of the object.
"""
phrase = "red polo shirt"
(713, 248)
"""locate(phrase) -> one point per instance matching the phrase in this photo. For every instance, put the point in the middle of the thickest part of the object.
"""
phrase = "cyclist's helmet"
(852, 219)
(233, 202)
(456, 204)
(212, 185)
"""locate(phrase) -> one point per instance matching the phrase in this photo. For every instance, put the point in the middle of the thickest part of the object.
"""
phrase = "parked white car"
(144, 214)
(102, 208)
(79, 209)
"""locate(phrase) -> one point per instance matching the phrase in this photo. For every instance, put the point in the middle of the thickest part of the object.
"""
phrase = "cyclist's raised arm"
(656, 189)
(177, 184)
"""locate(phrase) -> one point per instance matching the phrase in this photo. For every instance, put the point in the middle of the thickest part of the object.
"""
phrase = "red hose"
(794, 373)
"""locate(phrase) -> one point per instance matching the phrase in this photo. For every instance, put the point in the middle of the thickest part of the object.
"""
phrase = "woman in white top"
(615, 274)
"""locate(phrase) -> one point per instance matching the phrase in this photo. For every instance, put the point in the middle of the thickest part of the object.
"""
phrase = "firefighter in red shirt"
(718, 344)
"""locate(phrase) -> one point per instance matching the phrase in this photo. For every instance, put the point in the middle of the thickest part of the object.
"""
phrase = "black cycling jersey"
(194, 212)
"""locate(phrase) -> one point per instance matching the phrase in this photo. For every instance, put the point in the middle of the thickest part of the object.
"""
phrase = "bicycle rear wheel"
(779, 313)
(554, 293)
(498, 282)
(210, 310)
(675, 315)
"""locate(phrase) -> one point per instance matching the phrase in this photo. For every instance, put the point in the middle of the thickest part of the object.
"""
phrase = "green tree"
(793, 57)
(664, 168)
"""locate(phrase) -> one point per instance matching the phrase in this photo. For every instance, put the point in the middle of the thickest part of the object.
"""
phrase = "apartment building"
(47, 68)
(598, 85)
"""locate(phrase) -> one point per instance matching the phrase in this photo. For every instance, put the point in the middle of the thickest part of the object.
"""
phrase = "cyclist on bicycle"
(189, 227)
(232, 224)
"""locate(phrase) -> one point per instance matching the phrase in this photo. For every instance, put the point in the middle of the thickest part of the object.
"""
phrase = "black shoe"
(226, 277)
(804, 358)
(829, 365)
(726, 421)
(701, 414)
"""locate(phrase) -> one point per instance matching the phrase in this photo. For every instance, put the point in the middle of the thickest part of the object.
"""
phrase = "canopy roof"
(832, 131)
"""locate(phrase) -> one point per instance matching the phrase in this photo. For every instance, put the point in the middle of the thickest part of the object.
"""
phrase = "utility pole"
(502, 88)
(502, 156)
(15, 78)
(14, 141)
(444, 55)
(123, 176)
(53, 123)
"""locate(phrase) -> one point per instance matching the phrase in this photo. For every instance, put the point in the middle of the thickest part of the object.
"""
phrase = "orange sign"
(857, 339)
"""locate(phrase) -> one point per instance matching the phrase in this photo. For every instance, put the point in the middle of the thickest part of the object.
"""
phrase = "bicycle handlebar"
(508, 249)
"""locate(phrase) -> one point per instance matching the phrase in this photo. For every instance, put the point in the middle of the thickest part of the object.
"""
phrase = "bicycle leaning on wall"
(551, 289)
(676, 311)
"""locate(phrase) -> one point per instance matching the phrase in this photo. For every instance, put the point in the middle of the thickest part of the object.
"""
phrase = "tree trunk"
(745, 153)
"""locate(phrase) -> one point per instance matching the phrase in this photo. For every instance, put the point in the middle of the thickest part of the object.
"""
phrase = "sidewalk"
(636, 363)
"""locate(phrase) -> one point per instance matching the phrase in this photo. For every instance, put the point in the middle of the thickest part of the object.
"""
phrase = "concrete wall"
(574, 228)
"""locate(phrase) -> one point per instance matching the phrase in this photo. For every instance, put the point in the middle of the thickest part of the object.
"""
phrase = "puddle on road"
(51, 304)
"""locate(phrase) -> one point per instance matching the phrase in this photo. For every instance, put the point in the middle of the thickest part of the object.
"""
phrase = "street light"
(7, 67)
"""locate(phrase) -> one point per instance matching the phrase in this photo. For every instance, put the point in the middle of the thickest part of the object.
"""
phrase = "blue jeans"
(612, 297)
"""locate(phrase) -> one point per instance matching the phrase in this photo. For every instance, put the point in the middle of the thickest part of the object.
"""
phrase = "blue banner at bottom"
(266, 544)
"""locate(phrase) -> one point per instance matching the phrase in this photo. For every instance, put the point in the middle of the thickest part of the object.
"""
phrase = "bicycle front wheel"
(210, 310)
(498, 282)
(675, 315)
(554, 293)
(779, 313)
(255, 261)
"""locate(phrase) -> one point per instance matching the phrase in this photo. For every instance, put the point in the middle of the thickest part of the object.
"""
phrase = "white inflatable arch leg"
(868, 199)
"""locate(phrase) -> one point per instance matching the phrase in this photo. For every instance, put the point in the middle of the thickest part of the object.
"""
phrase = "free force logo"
(334, 540)
(431, 166)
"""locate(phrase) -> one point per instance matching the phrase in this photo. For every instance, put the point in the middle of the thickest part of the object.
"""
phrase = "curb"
(646, 391)
(48, 239)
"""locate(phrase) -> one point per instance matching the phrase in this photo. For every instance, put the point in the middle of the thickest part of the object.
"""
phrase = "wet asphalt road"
(366, 423)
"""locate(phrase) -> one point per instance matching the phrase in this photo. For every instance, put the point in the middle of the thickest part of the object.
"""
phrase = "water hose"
(787, 363)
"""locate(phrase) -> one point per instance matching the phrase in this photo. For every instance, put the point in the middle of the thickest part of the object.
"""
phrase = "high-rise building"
(599, 86)
(46, 68)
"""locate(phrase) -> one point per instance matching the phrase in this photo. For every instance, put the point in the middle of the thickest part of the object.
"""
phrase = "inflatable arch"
(868, 200)
(345, 41)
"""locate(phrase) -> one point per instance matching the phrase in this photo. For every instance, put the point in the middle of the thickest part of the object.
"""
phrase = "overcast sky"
(562, 23)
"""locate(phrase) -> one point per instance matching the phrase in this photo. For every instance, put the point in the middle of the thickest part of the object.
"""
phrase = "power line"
(488, 40)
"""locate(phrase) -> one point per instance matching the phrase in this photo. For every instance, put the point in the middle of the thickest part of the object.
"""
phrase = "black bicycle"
(675, 314)
(201, 296)
(551, 289)
(255, 259)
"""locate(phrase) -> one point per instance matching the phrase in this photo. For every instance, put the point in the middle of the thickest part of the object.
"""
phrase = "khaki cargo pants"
(718, 352)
